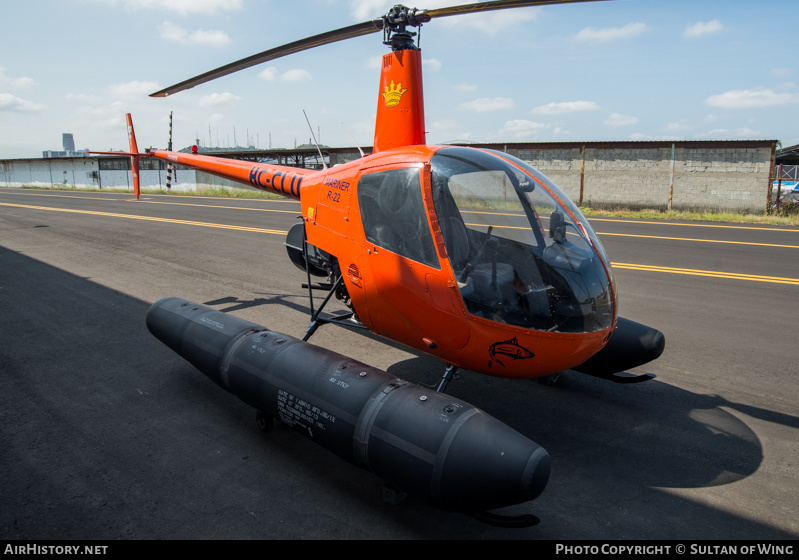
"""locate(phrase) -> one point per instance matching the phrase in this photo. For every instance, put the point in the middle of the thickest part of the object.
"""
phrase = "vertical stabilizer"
(134, 159)
(400, 105)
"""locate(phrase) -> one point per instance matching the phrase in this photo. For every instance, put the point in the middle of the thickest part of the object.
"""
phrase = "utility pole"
(169, 163)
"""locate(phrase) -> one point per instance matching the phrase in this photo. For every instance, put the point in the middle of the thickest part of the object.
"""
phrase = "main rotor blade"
(496, 5)
(350, 32)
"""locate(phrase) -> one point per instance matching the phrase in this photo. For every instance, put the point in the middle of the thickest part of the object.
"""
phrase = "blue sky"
(596, 71)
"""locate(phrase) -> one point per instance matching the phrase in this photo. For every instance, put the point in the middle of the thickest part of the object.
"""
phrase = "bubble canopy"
(521, 251)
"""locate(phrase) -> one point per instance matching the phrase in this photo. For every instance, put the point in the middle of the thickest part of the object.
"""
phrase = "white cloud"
(216, 99)
(727, 134)
(491, 23)
(172, 32)
(565, 107)
(12, 104)
(207, 37)
(522, 128)
(181, 7)
(640, 137)
(781, 72)
(462, 138)
(445, 125)
(611, 33)
(133, 89)
(678, 126)
(18, 83)
(270, 74)
(702, 28)
(110, 116)
(465, 87)
(751, 98)
(487, 104)
(431, 64)
(451, 130)
(216, 118)
(83, 97)
(617, 119)
(374, 62)
(367, 9)
(296, 75)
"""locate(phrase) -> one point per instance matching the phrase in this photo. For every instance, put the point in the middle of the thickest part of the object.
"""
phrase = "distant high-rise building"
(68, 142)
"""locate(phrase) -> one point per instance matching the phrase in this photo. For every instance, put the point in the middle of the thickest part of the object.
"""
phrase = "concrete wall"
(722, 176)
(68, 172)
(208, 181)
(733, 175)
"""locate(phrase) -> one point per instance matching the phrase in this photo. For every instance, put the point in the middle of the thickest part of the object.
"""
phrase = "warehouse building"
(735, 175)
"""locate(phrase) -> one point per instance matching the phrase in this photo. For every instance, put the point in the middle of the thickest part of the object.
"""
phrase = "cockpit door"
(409, 296)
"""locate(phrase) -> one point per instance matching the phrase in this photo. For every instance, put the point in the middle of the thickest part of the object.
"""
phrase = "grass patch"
(784, 218)
(236, 193)
(220, 192)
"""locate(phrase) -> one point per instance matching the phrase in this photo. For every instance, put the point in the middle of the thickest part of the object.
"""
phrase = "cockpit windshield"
(522, 253)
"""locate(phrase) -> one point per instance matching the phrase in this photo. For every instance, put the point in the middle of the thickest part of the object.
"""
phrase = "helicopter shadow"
(659, 434)
(233, 303)
(656, 434)
(611, 445)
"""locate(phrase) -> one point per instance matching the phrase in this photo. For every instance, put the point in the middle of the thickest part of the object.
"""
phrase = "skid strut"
(317, 318)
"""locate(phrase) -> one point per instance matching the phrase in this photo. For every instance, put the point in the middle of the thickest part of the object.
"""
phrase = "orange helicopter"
(467, 254)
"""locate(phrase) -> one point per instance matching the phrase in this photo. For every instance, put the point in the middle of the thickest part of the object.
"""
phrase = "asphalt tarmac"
(108, 435)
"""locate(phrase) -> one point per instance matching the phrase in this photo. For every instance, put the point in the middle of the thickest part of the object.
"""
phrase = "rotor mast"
(400, 103)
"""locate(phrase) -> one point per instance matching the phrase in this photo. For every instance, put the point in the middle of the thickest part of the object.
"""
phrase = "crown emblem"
(393, 94)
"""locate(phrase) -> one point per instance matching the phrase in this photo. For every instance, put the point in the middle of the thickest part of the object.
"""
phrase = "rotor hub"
(396, 23)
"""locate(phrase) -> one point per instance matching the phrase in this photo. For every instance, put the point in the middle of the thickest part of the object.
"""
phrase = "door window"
(393, 214)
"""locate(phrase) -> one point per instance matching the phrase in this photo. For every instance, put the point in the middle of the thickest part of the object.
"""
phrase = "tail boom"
(278, 179)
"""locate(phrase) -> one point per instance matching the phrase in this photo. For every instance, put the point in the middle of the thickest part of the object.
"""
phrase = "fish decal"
(508, 349)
